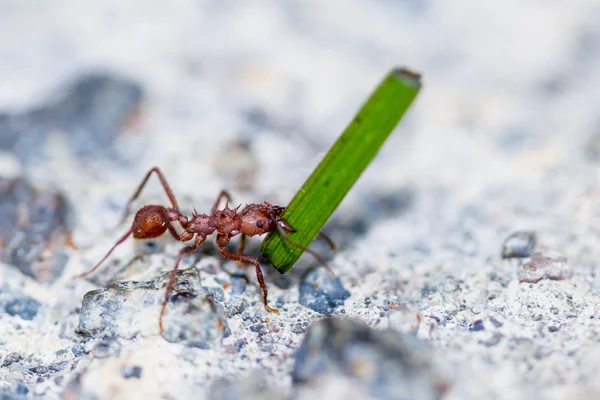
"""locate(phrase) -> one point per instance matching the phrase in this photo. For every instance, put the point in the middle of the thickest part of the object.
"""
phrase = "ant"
(254, 220)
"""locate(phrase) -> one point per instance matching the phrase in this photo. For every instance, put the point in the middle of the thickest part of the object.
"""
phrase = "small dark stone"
(385, 364)
(58, 366)
(298, 328)
(39, 370)
(553, 328)
(238, 286)
(240, 343)
(33, 229)
(496, 323)
(21, 389)
(258, 328)
(10, 359)
(77, 350)
(131, 371)
(321, 293)
(217, 293)
(107, 347)
(477, 326)
(519, 245)
(24, 307)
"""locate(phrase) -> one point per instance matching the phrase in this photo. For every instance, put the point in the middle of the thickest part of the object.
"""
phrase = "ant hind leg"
(163, 182)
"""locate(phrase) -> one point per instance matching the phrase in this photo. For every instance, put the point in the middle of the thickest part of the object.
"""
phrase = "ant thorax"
(227, 221)
(201, 224)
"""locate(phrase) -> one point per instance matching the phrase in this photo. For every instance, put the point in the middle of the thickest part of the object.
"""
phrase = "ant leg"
(188, 249)
(240, 250)
(259, 274)
(283, 226)
(184, 237)
(121, 240)
(223, 195)
(164, 184)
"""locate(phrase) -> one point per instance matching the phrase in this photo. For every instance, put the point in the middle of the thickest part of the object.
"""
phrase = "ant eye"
(259, 224)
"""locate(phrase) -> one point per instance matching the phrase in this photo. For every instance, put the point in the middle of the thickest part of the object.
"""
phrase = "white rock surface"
(502, 138)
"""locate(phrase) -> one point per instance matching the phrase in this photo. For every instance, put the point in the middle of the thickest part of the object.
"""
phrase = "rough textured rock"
(385, 364)
(321, 293)
(33, 229)
(129, 309)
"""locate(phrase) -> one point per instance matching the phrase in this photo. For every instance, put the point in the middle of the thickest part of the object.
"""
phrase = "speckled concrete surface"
(504, 138)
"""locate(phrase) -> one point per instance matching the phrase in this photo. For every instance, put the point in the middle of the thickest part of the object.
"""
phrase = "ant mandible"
(254, 220)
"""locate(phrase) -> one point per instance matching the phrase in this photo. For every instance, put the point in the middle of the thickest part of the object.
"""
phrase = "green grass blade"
(342, 165)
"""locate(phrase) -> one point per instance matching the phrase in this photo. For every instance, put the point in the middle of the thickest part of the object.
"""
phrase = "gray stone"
(321, 293)
(128, 309)
(33, 229)
(91, 112)
(25, 307)
(386, 364)
(519, 245)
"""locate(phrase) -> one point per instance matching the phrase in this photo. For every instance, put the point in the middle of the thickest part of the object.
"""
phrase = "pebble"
(519, 244)
(548, 265)
(106, 347)
(131, 371)
(477, 326)
(33, 229)
(320, 293)
(385, 364)
(11, 358)
(25, 307)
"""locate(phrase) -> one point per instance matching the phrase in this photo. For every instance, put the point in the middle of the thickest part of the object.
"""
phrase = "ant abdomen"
(150, 222)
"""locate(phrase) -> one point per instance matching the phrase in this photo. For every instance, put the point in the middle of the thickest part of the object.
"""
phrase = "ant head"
(150, 222)
(256, 221)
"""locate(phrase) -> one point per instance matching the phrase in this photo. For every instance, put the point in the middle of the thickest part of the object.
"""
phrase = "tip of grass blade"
(322, 192)
(409, 76)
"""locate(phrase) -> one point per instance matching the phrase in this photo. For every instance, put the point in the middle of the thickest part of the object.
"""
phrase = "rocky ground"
(467, 252)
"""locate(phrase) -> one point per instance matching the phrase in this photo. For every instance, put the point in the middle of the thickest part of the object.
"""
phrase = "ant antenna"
(121, 240)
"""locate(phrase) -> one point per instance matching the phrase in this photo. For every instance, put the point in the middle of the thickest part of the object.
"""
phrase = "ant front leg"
(223, 195)
(164, 184)
(221, 243)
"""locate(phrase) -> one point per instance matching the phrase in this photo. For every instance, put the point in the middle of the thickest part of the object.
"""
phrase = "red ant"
(255, 219)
